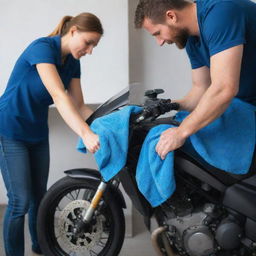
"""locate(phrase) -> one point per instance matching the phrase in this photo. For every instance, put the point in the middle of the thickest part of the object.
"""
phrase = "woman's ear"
(72, 30)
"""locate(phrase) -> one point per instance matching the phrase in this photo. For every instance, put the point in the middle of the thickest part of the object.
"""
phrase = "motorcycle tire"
(62, 206)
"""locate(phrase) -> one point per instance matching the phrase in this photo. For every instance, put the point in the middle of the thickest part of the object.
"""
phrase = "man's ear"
(171, 16)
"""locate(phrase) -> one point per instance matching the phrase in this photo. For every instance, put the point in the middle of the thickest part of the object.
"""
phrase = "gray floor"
(139, 245)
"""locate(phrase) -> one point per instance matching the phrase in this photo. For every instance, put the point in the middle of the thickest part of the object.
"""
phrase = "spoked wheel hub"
(76, 235)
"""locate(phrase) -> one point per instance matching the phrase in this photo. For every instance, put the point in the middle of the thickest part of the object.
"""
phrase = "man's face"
(165, 33)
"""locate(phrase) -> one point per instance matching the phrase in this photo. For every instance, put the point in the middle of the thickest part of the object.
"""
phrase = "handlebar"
(153, 111)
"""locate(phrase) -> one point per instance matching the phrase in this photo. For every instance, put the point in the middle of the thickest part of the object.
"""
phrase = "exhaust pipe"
(154, 239)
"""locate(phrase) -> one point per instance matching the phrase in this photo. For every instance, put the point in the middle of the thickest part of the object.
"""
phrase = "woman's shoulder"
(41, 49)
(47, 41)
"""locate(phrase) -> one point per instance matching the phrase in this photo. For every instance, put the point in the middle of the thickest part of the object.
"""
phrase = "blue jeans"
(25, 168)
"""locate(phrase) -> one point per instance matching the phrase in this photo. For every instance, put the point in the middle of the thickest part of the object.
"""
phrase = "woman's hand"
(91, 141)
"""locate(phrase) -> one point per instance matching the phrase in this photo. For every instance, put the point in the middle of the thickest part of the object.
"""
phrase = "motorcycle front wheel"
(60, 211)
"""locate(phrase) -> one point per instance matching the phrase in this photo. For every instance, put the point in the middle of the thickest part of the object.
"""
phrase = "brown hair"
(85, 22)
(155, 10)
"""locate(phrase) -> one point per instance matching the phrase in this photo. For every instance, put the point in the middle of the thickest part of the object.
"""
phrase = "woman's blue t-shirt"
(25, 102)
(224, 24)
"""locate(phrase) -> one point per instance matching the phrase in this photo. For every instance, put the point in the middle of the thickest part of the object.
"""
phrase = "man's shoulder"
(206, 6)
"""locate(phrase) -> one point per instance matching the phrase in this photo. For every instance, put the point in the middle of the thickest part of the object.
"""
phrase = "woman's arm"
(76, 96)
(51, 79)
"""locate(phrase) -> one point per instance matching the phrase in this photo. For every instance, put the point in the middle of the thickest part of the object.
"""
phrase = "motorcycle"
(211, 213)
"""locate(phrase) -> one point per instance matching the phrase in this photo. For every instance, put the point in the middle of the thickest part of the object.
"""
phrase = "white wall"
(104, 73)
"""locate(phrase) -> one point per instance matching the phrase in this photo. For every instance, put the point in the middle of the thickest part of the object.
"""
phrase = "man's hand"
(170, 140)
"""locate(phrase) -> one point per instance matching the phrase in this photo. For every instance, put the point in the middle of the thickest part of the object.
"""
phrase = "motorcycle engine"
(202, 231)
(198, 240)
(192, 235)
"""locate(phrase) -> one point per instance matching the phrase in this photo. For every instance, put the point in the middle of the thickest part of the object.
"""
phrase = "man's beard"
(181, 37)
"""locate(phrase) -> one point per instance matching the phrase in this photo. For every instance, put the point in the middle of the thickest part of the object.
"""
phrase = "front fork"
(95, 202)
(87, 215)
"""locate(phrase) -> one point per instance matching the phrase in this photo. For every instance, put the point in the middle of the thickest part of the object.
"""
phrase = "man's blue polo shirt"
(224, 24)
(25, 102)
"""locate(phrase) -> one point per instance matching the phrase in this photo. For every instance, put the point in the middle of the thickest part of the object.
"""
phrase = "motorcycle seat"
(224, 177)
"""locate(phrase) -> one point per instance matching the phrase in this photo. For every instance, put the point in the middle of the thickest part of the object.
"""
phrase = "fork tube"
(95, 201)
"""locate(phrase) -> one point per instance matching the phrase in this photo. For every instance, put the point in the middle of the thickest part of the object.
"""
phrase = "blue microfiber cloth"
(113, 131)
(154, 176)
(227, 143)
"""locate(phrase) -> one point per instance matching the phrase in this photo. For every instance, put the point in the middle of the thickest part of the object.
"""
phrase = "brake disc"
(66, 222)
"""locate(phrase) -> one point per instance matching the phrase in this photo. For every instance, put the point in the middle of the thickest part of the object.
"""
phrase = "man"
(220, 39)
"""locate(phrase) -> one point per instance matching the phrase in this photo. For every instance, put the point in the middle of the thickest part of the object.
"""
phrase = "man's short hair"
(155, 10)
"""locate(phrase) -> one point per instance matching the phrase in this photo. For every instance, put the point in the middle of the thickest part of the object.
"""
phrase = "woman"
(47, 72)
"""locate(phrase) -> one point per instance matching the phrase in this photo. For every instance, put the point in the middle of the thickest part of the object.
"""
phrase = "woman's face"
(82, 43)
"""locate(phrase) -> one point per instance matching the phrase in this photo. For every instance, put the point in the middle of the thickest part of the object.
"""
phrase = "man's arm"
(201, 80)
(225, 76)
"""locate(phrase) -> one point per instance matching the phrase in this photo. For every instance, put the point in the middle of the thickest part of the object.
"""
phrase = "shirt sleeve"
(193, 54)
(41, 52)
(224, 27)
(77, 70)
